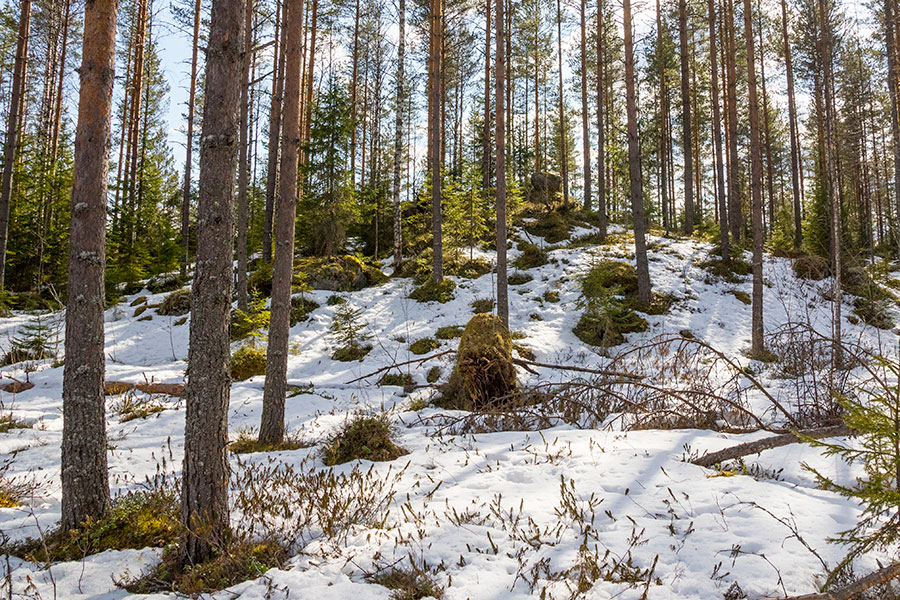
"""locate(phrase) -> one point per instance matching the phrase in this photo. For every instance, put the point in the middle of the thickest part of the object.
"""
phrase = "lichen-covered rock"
(484, 374)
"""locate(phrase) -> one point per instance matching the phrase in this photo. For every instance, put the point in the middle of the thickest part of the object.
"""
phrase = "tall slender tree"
(717, 134)
(563, 127)
(601, 120)
(189, 145)
(585, 131)
(796, 196)
(13, 127)
(398, 135)
(274, 133)
(687, 147)
(85, 479)
(500, 135)
(634, 161)
(204, 492)
(435, 149)
(243, 178)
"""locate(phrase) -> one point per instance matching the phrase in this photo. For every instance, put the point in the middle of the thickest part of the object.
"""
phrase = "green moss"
(434, 292)
(424, 346)
(454, 263)
(139, 310)
(247, 362)
(338, 273)
(484, 305)
(260, 280)
(300, 309)
(146, 318)
(175, 304)
(249, 444)
(551, 296)
(434, 373)
(532, 256)
(741, 295)
(519, 278)
(731, 271)
(604, 325)
(398, 379)
(164, 282)
(362, 438)
(811, 267)
(484, 370)
(180, 321)
(135, 520)
(408, 583)
(524, 351)
(553, 226)
(610, 276)
(139, 300)
(449, 332)
(334, 300)
(351, 353)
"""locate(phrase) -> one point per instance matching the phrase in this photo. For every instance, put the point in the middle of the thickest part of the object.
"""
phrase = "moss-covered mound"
(811, 267)
(363, 438)
(434, 292)
(608, 275)
(532, 256)
(247, 362)
(338, 273)
(484, 374)
(605, 325)
(164, 282)
(610, 293)
(300, 309)
(554, 226)
(175, 304)
(424, 346)
(454, 263)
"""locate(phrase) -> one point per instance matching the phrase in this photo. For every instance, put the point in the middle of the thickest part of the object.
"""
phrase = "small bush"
(252, 321)
(247, 443)
(334, 300)
(485, 305)
(134, 405)
(811, 267)
(610, 275)
(411, 583)
(553, 226)
(8, 422)
(300, 309)
(731, 271)
(434, 292)
(260, 280)
(362, 438)
(424, 346)
(604, 323)
(551, 296)
(247, 362)
(350, 332)
(449, 332)
(135, 520)
(434, 373)
(398, 379)
(351, 353)
(164, 282)
(175, 304)
(741, 295)
(519, 278)
(532, 256)
(873, 312)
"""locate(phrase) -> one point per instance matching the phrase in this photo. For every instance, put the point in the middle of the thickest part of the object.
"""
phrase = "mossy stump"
(484, 372)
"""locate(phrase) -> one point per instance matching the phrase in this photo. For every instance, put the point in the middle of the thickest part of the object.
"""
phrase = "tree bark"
(797, 198)
(775, 441)
(435, 150)
(244, 162)
(85, 482)
(634, 162)
(204, 495)
(891, 51)
(398, 137)
(758, 342)
(563, 128)
(500, 135)
(585, 132)
(717, 135)
(12, 130)
(274, 133)
(663, 120)
(735, 218)
(601, 124)
(486, 135)
(189, 146)
(687, 147)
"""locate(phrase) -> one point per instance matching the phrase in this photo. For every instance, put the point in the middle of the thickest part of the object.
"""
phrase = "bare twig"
(402, 364)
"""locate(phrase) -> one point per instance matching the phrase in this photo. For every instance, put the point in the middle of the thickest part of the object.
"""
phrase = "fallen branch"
(111, 388)
(530, 363)
(403, 364)
(745, 449)
(854, 589)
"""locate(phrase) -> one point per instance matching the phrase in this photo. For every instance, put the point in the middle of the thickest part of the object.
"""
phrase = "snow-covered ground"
(501, 515)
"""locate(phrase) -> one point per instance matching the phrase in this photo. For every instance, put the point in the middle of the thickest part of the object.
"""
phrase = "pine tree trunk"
(770, 175)
(735, 218)
(435, 150)
(85, 480)
(797, 198)
(500, 136)
(758, 342)
(663, 150)
(12, 130)
(601, 121)
(563, 129)
(634, 162)
(244, 163)
(189, 146)
(271, 430)
(274, 132)
(135, 128)
(585, 132)
(717, 135)
(398, 137)
(891, 51)
(686, 136)
(486, 135)
(204, 495)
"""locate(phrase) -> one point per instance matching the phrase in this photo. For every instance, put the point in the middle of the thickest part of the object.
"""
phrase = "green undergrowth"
(362, 438)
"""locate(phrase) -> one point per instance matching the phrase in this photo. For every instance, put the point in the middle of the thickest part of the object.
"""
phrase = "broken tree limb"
(111, 388)
(402, 364)
(745, 449)
(530, 363)
(853, 590)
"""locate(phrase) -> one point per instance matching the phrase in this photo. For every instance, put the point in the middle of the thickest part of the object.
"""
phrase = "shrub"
(551, 296)
(36, 341)
(811, 266)
(398, 379)
(532, 256)
(247, 443)
(485, 305)
(133, 405)
(424, 346)
(731, 271)
(247, 362)
(519, 278)
(552, 226)
(175, 304)
(349, 332)
(301, 306)
(604, 322)
(873, 312)
(8, 422)
(434, 292)
(434, 373)
(164, 282)
(410, 583)
(260, 280)
(362, 438)
(334, 300)
(610, 275)
(449, 332)
(252, 321)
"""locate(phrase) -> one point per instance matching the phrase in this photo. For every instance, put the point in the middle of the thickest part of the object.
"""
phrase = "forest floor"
(563, 511)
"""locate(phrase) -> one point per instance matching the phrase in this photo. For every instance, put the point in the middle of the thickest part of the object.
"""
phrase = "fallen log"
(852, 590)
(17, 387)
(714, 458)
(111, 388)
